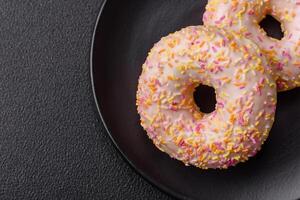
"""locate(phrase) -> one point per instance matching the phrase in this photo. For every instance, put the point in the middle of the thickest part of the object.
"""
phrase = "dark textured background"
(52, 143)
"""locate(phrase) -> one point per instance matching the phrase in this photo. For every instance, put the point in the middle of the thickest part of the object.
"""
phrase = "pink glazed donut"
(244, 17)
(245, 93)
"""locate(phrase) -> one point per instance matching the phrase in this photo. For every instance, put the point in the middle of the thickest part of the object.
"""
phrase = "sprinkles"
(243, 16)
(245, 94)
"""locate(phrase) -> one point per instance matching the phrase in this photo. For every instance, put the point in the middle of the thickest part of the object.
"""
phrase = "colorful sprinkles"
(245, 93)
(244, 16)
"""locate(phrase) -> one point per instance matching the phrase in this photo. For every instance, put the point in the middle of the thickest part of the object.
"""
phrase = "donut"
(245, 94)
(244, 16)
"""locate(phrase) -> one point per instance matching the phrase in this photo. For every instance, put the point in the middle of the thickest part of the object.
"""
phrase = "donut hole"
(205, 98)
(272, 27)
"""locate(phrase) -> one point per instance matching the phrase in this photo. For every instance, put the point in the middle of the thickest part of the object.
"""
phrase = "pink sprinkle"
(253, 140)
(286, 54)
(214, 114)
(223, 43)
(262, 80)
(260, 39)
(199, 127)
(220, 68)
(280, 85)
(241, 121)
(253, 154)
(157, 82)
(247, 98)
(250, 110)
(219, 145)
(205, 16)
(258, 90)
(221, 105)
(207, 149)
(214, 49)
(173, 108)
(194, 31)
(202, 66)
(151, 132)
(220, 20)
(251, 12)
(248, 34)
(273, 108)
(279, 66)
(181, 143)
(231, 162)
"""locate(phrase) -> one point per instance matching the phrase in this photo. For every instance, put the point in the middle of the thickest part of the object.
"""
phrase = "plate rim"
(138, 171)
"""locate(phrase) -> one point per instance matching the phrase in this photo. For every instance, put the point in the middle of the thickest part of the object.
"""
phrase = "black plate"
(125, 33)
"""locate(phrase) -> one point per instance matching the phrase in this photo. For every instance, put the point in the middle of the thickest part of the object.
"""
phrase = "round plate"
(125, 33)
